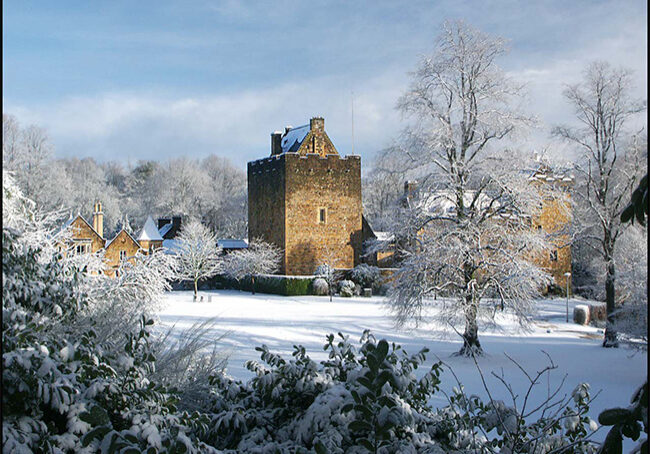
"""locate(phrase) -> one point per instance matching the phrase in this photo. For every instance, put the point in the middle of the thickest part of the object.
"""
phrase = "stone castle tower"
(306, 199)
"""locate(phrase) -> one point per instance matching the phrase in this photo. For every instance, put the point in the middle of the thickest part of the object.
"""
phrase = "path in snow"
(280, 322)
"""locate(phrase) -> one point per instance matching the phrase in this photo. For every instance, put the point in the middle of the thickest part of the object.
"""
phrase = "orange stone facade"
(308, 203)
(87, 239)
(122, 247)
(554, 218)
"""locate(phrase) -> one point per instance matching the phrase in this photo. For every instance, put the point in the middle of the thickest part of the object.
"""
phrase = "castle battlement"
(272, 163)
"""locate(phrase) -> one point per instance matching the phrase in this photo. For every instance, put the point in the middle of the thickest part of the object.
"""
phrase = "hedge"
(267, 283)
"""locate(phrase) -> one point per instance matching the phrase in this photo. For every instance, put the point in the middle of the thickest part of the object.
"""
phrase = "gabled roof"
(149, 231)
(165, 228)
(108, 243)
(293, 139)
(70, 221)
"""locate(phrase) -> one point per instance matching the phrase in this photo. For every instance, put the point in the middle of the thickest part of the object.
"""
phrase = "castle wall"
(266, 202)
(318, 182)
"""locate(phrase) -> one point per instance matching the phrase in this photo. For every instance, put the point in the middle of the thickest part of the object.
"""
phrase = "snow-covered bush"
(63, 388)
(369, 400)
(346, 288)
(366, 276)
(320, 286)
(355, 401)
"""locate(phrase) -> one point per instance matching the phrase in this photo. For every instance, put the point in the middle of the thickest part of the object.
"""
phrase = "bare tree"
(472, 238)
(382, 187)
(610, 167)
(199, 256)
(259, 258)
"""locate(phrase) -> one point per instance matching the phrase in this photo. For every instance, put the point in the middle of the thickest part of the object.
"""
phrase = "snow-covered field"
(281, 322)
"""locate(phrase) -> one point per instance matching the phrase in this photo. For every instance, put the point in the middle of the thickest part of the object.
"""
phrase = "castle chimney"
(317, 123)
(276, 143)
(98, 219)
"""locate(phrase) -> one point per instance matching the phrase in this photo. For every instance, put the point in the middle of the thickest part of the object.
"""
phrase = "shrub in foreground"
(369, 400)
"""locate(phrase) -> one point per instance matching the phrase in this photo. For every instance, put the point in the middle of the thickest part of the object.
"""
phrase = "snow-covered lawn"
(281, 322)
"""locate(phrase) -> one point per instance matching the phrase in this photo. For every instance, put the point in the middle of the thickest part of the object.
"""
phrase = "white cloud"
(133, 126)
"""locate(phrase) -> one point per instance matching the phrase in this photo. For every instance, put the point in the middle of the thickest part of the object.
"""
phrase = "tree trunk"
(471, 344)
(253, 284)
(611, 336)
(196, 289)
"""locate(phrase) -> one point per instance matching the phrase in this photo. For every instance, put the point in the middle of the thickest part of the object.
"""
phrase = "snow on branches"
(258, 258)
(468, 234)
(198, 254)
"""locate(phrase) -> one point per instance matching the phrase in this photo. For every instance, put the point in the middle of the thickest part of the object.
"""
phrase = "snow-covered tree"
(328, 271)
(258, 258)
(610, 166)
(470, 235)
(63, 388)
(198, 254)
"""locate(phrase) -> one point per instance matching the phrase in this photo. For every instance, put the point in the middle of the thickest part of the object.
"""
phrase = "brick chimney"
(317, 124)
(176, 225)
(276, 143)
(98, 219)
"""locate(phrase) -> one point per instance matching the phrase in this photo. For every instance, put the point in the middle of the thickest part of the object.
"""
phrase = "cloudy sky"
(127, 80)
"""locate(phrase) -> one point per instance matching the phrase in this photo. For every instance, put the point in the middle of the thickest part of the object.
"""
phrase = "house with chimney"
(85, 238)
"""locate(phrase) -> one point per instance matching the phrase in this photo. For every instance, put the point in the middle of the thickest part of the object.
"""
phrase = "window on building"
(554, 256)
(322, 215)
(82, 248)
(122, 255)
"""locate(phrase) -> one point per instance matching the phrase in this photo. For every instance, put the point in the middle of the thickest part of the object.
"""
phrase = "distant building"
(88, 239)
(306, 199)
(553, 217)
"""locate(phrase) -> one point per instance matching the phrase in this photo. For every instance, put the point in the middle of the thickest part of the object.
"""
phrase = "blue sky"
(149, 80)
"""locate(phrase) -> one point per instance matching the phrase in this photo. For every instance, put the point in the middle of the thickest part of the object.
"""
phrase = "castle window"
(554, 256)
(122, 255)
(322, 215)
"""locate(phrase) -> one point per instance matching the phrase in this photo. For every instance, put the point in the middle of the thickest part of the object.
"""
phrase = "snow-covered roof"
(444, 201)
(293, 138)
(149, 231)
(165, 228)
(232, 244)
(170, 246)
(384, 236)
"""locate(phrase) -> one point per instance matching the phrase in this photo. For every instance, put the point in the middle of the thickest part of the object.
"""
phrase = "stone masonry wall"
(80, 230)
(112, 255)
(554, 217)
(313, 183)
(266, 194)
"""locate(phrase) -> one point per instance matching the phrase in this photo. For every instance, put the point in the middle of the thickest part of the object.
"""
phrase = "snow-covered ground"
(281, 322)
